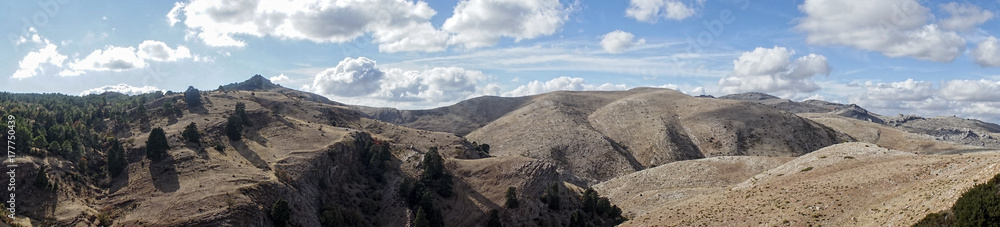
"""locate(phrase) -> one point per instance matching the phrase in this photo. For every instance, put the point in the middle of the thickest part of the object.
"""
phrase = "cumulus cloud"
(987, 53)
(111, 58)
(361, 78)
(159, 51)
(971, 90)
(32, 63)
(396, 25)
(121, 88)
(480, 23)
(279, 78)
(618, 41)
(650, 11)
(966, 98)
(562, 83)
(772, 70)
(964, 16)
(352, 77)
(908, 90)
(895, 28)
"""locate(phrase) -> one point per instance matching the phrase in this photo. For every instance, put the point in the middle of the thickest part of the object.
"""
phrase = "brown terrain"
(663, 157)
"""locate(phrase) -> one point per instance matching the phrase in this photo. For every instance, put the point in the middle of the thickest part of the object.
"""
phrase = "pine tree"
(42, 179)
(421, 218)
(512, 202)
(234, 128)
(116, 158)
(494, 219)
(241, 111)
(280, 212)
(191, 133)
(156, 144)
(192, 96)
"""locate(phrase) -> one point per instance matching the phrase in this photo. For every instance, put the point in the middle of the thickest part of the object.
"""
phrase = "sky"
(931, 58)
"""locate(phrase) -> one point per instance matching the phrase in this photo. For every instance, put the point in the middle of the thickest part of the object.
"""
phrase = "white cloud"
(964, 16)
(908, 90)
(618, 41)
(279, 78)
(396, 25)
(772, 70)
(111, 58)
(159, 51)
(32, 63)
(174, 15)
(895, 28)
(965, 98)
(121, 88)
(987, 53)
(481, 23)
(971, 90)
(650, 11)
(360, 80)
(352, 77)
(561, 84)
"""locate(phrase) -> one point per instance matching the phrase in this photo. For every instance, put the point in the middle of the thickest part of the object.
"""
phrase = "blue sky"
(894, 56)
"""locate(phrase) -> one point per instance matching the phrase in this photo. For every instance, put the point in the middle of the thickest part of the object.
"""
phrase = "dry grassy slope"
(601, 135)
(850, 184)
(198, 184)
(640, 192)
(884, 136)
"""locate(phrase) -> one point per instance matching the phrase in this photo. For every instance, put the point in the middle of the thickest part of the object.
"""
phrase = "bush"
(191, 133)
(979, 206)
(512, 202)
(280, 212)
(192, 96)
(156, 144)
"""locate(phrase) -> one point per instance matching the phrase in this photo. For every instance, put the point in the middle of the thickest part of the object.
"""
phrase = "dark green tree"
(156, 144)
(512, 202)
(40, 141)
(421, 219)
(234, 128)
(241, 111)
(551, 196)
(191, 133)
(55, 147)
(590, 200)
(280, 212)
(192, 96)
(116, 158)
(42, 179)
(434, 175)
(494, 219)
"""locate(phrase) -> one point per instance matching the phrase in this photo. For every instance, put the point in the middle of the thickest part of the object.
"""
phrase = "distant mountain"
(962, 131)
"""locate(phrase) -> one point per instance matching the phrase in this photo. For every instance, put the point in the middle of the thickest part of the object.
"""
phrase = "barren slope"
(885, 136)
(850, 184)
(600, 135)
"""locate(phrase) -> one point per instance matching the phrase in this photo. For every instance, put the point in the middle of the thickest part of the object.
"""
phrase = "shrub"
(280, 212)
(156, 144)
(979, 206)
(512, 202)
(191, 133)
(806, 169)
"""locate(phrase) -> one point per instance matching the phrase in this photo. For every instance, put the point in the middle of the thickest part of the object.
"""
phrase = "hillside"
(845, 184)
(596, 136)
